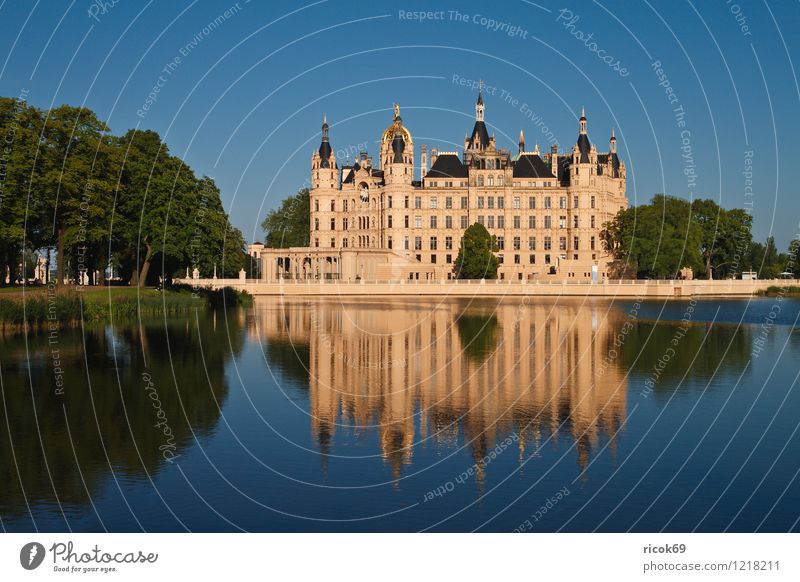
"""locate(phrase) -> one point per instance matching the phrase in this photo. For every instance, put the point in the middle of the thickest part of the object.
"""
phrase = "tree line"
(72, 191)
(659, 239)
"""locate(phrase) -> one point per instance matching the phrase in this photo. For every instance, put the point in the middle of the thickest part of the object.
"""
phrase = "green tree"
(725, 235)
(656, 239)
(289, 225)
(476, 258)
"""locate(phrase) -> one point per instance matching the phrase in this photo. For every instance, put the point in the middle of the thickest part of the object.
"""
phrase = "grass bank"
(43, 306)
(776, 290)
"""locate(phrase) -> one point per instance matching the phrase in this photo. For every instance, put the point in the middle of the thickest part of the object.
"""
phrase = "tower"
(324, 173)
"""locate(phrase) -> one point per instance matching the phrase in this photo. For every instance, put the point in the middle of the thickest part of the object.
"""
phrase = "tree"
(725, 234)
(476, 258)
(656, 239)
(289, 225)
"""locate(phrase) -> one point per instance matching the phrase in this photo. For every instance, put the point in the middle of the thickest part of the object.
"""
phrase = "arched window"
(491, 180)
(500, 180)
(480, 180)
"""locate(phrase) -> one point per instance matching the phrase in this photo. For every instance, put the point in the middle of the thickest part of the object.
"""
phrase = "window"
(480, 180)
(464, 222)
(501, 243)
(480, 202)
(575, 221)
(500, 260)
(547, 202)
(345, 223)
(405, 202)
(316, 242)
(417, 222)
(516, 260)
(501, 221)
(464, 202)
(389, 242)
(333, 243)
(316, 205)
(448, 259)
(548, 221)
(491, 201)
(517, 243)
(405, 242)
(333, 224)
(344, 203)
(406, 220)
(333, 205)
(532, 202)
(448, 202)
(532, 259)
(562, 243)
(531, 221)
(433, 222)
(515, 202)
(344, 240)
(433, 202)
(592, 220)
(434, 243)
(531, 243)
(490, 221)
(574, 201)
(548, 244)
(448, 243)
(433, 259)
(500, 180)
(390, 201)
(517, 222)
(591, 243)
(480, 219)
(448, 184)
(547, 259)
(591, 202)
(501, 202)
(490, 181)
(389, 221)
(562, 222)
(417, 201)
(562, 202)
(575, 243)
(316, 224)
(417, 243)
(448, 221)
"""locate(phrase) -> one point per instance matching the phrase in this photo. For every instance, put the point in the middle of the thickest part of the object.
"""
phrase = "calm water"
(404, 415)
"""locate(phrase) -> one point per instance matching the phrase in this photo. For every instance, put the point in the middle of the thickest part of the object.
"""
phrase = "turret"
(324, 173)
(521, 141)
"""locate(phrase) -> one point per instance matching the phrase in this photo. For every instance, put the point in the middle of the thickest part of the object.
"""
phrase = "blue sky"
(242, 100)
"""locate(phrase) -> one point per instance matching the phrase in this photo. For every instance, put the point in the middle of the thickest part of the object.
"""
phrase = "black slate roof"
(531, 166)
(584, 147)
(482, 133)
(398, 147)
(447, 166)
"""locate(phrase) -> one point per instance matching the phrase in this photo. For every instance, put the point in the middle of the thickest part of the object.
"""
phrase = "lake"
(409, 414)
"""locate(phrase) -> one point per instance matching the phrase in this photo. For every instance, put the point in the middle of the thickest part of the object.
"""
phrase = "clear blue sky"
(245, 100)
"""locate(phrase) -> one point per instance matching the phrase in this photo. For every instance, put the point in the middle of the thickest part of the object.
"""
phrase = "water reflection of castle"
(480, 371)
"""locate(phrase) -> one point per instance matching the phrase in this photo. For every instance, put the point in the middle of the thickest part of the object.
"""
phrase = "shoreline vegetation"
(779, 291)
(46, 307)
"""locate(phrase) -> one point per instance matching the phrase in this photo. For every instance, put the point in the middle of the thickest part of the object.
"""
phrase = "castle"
(377, 222)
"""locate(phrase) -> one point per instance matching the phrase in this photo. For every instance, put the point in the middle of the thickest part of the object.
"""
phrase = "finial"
(324, 119)
(612, 133)
(583, 112)
(536, 149)
(480, 86)
(397, 110)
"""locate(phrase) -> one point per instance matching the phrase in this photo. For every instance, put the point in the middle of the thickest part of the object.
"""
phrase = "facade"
(547, 209)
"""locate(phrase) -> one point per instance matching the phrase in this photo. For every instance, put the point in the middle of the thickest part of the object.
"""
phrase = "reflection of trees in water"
(668, 352)
(478, 334)
(291, 360)
(77, 430)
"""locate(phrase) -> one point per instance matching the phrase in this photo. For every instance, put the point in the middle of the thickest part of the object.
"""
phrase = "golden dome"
(397, 125)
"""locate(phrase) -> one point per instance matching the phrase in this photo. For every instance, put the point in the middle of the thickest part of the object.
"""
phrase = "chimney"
(554, 159)
(423, 161)
(434, 155)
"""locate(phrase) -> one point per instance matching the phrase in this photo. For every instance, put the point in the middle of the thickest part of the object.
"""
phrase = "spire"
(612, 142)
(536, 149)
(479, 105)
(521, 141)
(325, 146)
(584, 146)
(582, 122)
